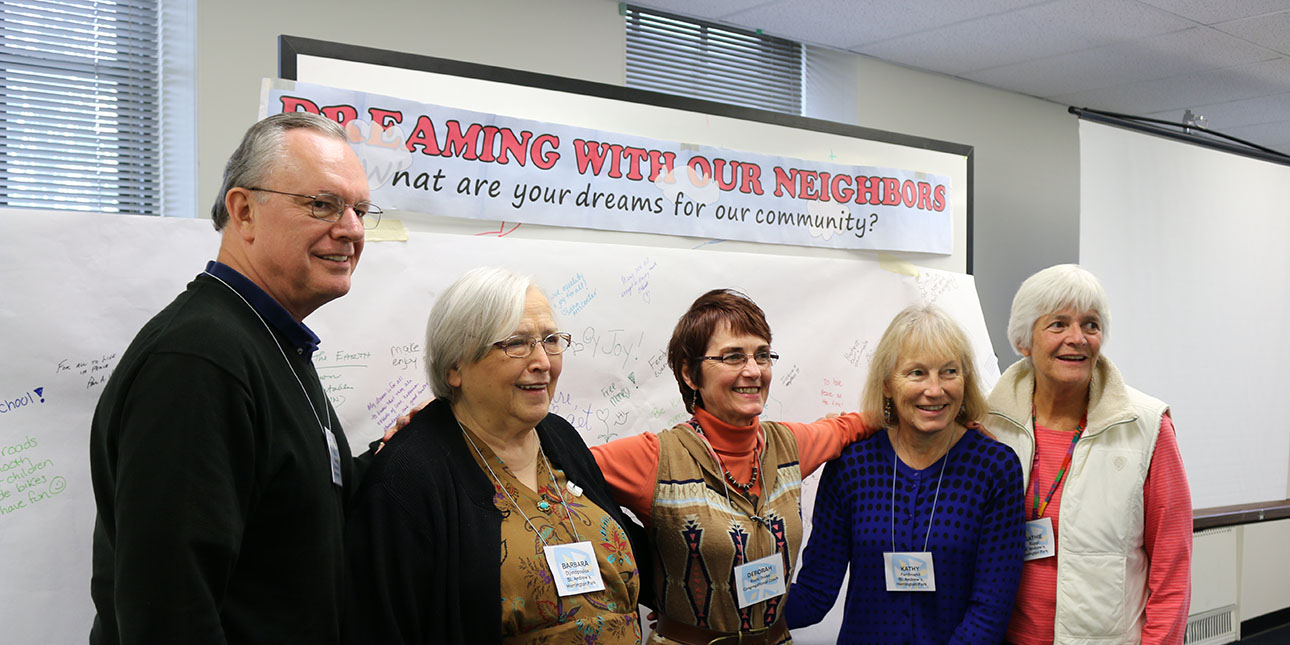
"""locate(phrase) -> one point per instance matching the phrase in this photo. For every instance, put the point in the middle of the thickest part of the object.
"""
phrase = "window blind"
(676, 55)
(79, 122)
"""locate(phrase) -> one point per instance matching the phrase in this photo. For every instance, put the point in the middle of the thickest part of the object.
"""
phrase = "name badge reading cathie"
(909, 571)
(1040, 542)
(574, 568)
(759, 580)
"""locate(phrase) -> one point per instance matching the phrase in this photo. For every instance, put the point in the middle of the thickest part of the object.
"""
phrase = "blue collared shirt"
(304, 340)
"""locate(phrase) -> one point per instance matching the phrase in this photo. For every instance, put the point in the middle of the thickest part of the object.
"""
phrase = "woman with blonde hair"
(926, 515)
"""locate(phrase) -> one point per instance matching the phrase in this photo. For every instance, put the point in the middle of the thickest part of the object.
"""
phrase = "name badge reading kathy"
(1040, 542)
(909, 571)
(334, 451)
(759, 580)
(574, 568)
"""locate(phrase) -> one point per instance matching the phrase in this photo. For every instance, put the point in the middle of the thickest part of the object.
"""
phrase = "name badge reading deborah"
(1040, 541)
(909, 571)
(574, 568)
(333, 451)
(759, 580)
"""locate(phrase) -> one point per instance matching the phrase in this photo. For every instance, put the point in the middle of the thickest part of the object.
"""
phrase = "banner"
(460, 163)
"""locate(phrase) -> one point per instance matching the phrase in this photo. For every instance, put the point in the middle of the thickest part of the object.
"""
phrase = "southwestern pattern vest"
(699, 538)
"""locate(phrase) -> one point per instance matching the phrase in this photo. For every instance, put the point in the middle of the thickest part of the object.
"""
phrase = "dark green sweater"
(218, 521)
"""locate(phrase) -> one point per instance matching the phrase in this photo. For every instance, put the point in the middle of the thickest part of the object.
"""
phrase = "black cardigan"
(423, 539)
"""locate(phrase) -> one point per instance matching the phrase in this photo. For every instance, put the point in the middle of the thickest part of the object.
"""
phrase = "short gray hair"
(1050, 291)
(922, 327)
(483, 306)
(261, 147)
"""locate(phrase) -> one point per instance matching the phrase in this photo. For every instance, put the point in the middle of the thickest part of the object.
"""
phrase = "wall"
(237, 45)
(1026, 164)
(1265, 569)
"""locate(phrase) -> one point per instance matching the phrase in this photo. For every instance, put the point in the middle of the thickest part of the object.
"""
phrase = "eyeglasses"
(329, 208)
(739, 359)
(521, 346)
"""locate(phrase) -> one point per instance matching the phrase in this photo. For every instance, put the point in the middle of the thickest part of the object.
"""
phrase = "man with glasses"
(219, 467)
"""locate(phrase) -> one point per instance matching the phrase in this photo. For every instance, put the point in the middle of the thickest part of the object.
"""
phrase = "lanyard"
(549, 472)
(693, 423)
(895, 457)
(327, 434)
(1037, 509)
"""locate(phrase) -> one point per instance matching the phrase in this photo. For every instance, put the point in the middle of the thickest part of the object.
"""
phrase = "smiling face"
(500, 394)
(735, 395)
(301, 261)
(926, 390)
(1064, 348)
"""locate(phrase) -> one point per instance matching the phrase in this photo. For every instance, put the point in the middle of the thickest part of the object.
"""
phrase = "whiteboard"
(1190, 245)
(79, 286)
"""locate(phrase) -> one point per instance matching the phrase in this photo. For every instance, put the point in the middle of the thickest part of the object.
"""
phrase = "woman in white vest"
(1108, 509)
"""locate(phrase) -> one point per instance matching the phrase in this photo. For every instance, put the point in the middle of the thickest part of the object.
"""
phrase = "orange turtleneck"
(630, 465)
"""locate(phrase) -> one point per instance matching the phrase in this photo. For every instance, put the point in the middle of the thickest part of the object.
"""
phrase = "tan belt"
(692, 635)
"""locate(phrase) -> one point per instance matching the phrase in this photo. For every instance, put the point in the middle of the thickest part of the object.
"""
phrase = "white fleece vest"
(1101, 564)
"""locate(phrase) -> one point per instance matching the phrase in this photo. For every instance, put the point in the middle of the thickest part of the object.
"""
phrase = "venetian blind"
(676, 55)
(79, 122)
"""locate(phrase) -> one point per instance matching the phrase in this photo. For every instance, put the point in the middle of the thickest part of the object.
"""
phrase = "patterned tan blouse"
(532, 610)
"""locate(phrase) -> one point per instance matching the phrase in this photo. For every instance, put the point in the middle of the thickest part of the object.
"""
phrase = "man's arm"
(183, 482)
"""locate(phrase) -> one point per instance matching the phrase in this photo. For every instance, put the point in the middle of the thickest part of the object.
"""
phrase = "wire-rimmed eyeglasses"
(329, 208)
(518, 346)
(738, 359)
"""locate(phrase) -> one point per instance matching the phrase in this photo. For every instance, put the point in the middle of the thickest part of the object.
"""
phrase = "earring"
(888, 414)
(694, 400)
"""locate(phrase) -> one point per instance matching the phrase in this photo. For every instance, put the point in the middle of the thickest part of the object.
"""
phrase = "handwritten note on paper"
(637, 283)
(573, 295)
(28, 475)
(339, 370)
(832, 393)
(95, 369)
(399, 397)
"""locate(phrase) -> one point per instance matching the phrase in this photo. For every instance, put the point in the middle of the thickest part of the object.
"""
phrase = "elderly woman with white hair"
(485, 519)
(1101, 458)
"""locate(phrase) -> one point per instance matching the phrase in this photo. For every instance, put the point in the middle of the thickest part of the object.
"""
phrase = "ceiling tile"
(1233, 114)
(846, 23)
(1208, 12)
(1266, 134)
(1038, 31)
(1187, 90)
(1271, 31)
(710, 10)
(1191, 50)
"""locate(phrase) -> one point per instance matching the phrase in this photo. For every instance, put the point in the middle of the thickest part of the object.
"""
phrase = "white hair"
(1049, 291)
(483, 306)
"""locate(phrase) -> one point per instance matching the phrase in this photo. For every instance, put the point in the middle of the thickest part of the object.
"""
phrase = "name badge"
(759, 580)
(334, 451)
(1040, 541)
(574, 568)
(909, 571)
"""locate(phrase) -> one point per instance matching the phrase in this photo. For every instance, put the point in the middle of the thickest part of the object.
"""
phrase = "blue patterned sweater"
(975, 541)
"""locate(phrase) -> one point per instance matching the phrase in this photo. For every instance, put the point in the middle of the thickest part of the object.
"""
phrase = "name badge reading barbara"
(1040, 541)
(759, 580)
(574, 568)
(909, 571)
(333, 451)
